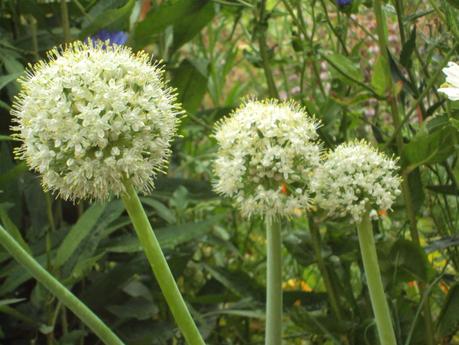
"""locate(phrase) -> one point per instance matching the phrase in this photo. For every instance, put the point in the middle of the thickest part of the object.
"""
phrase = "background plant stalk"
(392, 100)
(160, 267)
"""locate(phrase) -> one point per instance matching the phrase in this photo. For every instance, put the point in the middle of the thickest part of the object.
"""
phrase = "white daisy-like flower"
(266, 156)
(356, 178)
(451, 87)
(94, 116)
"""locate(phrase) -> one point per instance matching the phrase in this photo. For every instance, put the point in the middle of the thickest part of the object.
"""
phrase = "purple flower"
(114, 38)
(342, 3)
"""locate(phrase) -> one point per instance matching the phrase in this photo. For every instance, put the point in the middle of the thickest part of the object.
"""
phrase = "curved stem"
(273, 333)
(60, 291)
(160, 267)
(374, 281)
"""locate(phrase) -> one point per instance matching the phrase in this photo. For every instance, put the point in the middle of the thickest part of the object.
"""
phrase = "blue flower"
(114, 38)
(343, 3)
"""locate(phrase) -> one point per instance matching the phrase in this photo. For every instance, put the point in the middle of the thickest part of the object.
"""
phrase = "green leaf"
(12, 229)
(173, 236)
(162, 211)
(137, 308)
(191, 84)
(6, 79)
(429, 148)
(78, 233)
(378, 76)
(168, 237)
(408, 49)
(448, 320)
(169, 13)
(13, 173)
(108, 18)
(345, 66)
(409, 261)
(190, 25)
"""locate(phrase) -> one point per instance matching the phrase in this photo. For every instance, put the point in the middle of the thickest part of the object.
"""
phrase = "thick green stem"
(375, 284)
(160, 267)
(273, 332)
(59, 290)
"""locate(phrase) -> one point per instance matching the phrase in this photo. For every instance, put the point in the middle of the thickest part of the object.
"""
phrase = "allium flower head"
(354, 178)
(94, 116)
(267, 152)
(451, 89)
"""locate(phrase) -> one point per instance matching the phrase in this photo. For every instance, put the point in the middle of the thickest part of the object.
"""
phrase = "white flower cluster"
(93, 116)
(451, 89)
(266, 156)
(355, 178)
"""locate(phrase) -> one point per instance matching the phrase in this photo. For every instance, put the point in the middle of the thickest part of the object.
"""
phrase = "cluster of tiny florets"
(267, 152)
(93, 116)
(355, 178)
(451, 88)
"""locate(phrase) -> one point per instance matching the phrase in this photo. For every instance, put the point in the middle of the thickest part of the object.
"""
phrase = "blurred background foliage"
(326, 56)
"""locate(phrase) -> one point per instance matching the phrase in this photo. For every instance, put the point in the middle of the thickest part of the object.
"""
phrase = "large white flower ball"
(93, 116)
(267, 152)
(356, 178)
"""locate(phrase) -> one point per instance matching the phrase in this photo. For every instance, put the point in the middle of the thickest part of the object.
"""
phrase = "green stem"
(59, 290)
(65, 21)
(160, 267)
(273, 332)
(262, 28)
(374, 281)
(396, 119)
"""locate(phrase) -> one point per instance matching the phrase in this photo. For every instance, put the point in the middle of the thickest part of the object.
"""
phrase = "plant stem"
(65, 21)
(262, 27)
(273, 333)
(160, 267)
(374, 281)
(59, 290)
(406, 190)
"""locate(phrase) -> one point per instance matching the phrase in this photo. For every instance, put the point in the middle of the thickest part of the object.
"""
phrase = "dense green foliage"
(331, 58)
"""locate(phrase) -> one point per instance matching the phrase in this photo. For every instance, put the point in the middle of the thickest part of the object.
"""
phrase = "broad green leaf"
(108, 18)
(169, 13)
(345, 66)
(378, 77)
(191, 85)
(429, 148)
(190, 25)
(409, 261)
(78, 233)
(448, 321)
